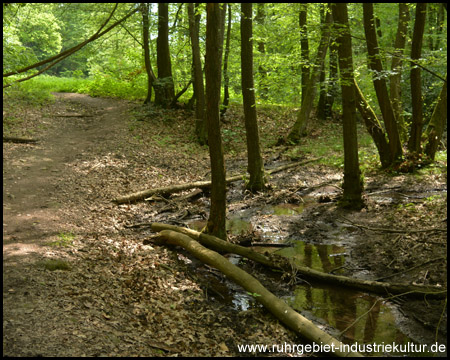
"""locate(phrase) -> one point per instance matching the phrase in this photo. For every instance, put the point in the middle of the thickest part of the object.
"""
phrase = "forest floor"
(78, 280)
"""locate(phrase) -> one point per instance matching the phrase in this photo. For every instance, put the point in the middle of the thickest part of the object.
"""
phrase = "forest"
(224, 179)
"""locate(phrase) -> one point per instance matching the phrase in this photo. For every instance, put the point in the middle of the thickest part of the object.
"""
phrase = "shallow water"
(352, 316)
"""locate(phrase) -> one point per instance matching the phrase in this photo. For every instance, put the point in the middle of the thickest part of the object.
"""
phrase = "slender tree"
(437, 123)
(328, 88)
(148, 66)
(304, 46)
(213, 62)
(263, 88)
(379, 82)
(164, 88)
(255, 161)
(416, 79)
(396, 68)
(373, 127)
(226, 79)
(299, 128)
(352, 176)
(199, 90)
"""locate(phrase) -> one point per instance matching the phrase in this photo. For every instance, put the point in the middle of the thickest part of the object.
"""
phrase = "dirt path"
(40, 216)
(33, 193)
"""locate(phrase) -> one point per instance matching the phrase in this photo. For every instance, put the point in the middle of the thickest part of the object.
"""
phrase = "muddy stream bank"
(299, 231)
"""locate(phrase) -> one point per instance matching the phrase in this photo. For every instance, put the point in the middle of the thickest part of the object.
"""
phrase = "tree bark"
(437, 123)
(373, 127)
(304, 47)
(416, 80)
(396, 68)
(164, 87)
(199, 90)
(263, 89)
(148, 66)
(226, 79)
(278, 307)
(298, 130)
(377, 287)
(352, 175)
(255, 162)
(380, 85)
(213, 60)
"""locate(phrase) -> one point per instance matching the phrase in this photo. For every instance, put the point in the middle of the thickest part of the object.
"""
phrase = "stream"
(349, 315)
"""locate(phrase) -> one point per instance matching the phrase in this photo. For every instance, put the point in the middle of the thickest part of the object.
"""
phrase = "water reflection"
(357, 316)
(325, 258)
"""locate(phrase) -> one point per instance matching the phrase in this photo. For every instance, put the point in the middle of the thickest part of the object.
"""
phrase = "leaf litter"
(124, 295)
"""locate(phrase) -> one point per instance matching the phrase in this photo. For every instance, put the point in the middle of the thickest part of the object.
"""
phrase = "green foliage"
(33, 92)
(113, 66)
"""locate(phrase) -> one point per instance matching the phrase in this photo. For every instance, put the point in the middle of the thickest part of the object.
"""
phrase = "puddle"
(323, 258)
(331, 307)
(288, 209)
(237, 226)
(373, 321)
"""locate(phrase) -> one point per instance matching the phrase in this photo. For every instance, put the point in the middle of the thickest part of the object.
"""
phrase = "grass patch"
(54, 264)
(64, 240)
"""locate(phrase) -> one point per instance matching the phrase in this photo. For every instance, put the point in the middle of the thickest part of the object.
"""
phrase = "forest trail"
(32, 191)
(40, 213)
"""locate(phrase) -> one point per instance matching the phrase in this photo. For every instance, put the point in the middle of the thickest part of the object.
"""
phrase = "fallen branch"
(401, 231)
(141, 195)
(276, 306)
(19, 140)
(281, 263)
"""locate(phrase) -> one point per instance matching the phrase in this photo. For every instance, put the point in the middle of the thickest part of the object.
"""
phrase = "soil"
(82, 278)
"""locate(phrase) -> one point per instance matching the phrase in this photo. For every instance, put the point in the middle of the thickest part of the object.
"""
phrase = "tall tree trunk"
(352, 175)
(437, 123)
(226, 79)
(416, 80)
(323, 93)
(298, 130)
(380, 85)
(263, 88)
(148, 66)
(164, 88)
(304, 46)
(255, 161)
(213, 63)
(396, 69)
(333, 80)
(199, 90)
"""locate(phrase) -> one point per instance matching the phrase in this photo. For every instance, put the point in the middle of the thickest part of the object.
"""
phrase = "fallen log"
(276, 306)
(19, 140)
(381, 288)
(141, 195)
